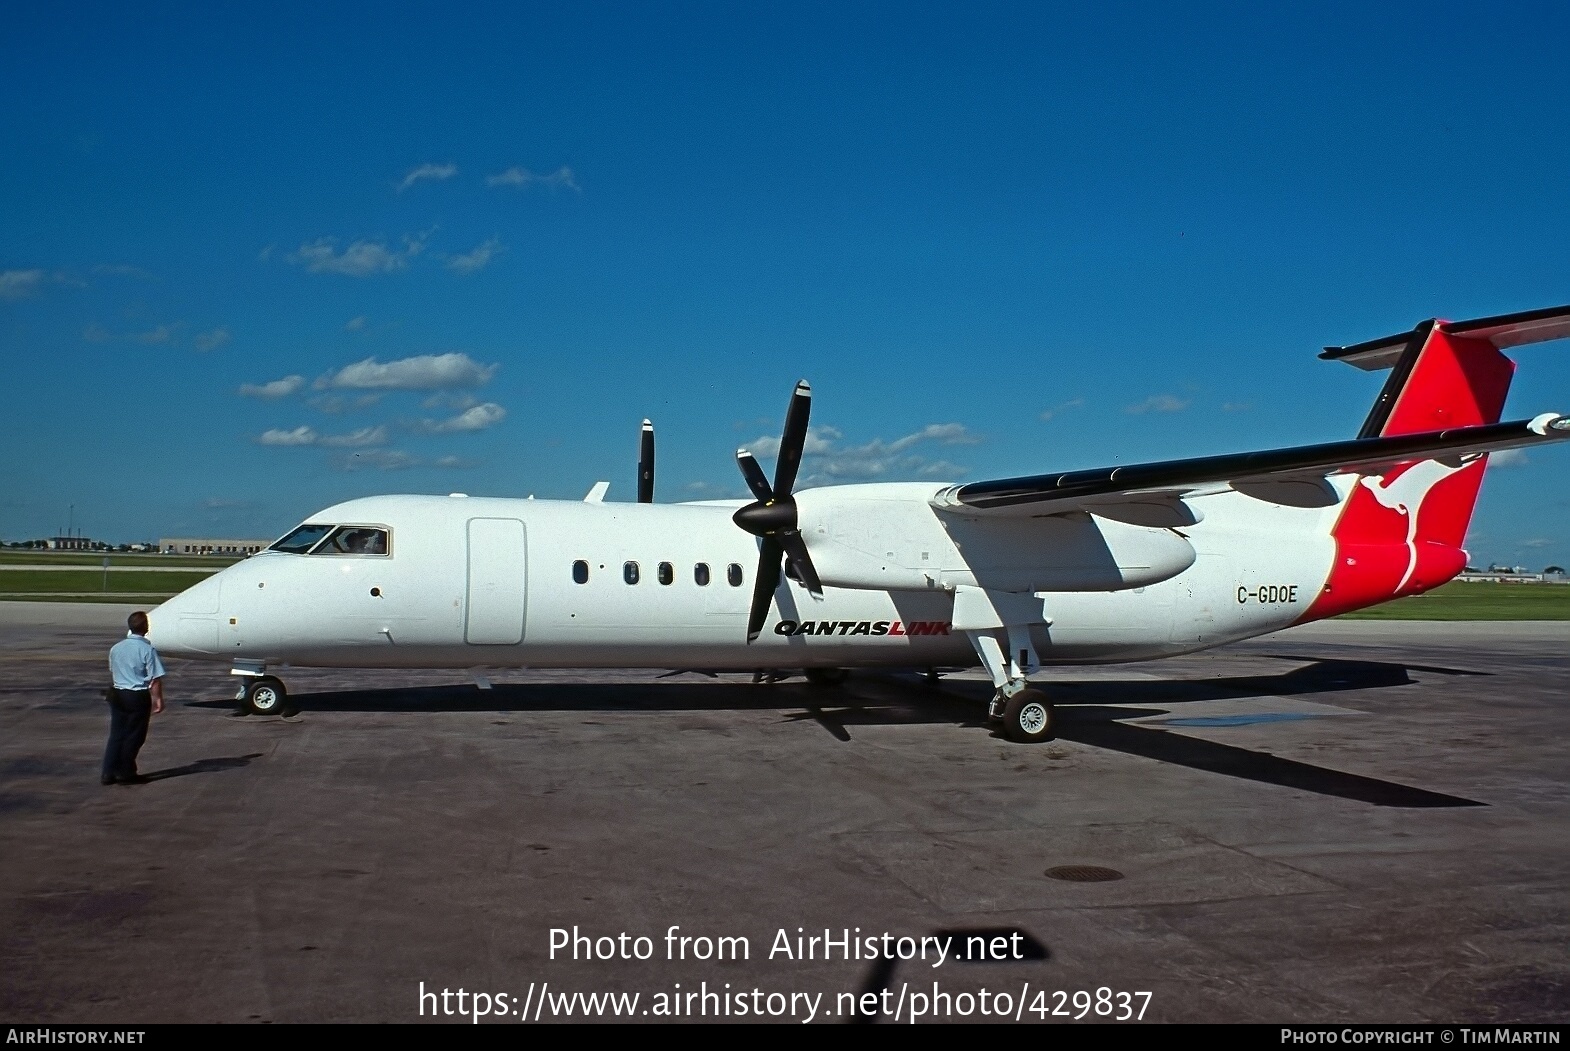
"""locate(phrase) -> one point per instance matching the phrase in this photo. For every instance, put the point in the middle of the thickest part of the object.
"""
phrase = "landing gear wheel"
(826, 676)
(1028, 718)
(265, 696)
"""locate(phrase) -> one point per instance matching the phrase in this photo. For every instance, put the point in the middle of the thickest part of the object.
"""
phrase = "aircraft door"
(496, 593)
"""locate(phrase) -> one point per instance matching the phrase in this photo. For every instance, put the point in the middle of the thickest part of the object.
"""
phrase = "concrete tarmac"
(1347, 822)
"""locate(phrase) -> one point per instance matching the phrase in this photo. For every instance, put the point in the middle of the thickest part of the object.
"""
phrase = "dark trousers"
(129, 712)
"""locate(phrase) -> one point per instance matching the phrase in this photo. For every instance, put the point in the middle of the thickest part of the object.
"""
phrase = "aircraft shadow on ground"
(1092, 712)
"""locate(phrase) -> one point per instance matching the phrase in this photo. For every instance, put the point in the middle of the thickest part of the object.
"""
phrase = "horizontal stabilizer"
(1504, 330)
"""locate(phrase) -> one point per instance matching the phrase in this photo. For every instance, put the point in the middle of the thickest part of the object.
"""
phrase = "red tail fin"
(1400, 533)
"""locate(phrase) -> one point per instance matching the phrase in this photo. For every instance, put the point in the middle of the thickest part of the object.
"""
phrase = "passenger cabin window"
(301, 540)
(733, 574)
(354, 540)
(580, 572)
(629, 572)
(667, 573)
(700, 574)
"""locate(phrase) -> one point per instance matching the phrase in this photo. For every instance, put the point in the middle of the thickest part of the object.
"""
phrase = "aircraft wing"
(1151, 493)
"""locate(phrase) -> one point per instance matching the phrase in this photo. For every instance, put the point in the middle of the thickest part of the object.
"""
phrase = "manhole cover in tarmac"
(1083, 873)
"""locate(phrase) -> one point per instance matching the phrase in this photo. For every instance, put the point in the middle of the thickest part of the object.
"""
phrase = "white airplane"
(1118, 564)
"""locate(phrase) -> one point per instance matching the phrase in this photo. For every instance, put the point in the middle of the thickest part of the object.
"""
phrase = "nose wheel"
(264, 696)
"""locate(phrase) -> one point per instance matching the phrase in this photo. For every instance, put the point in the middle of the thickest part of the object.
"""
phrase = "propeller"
(772, 517)
(646, 465)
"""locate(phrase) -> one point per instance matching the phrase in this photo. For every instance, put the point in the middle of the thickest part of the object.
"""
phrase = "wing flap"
(1293, 473)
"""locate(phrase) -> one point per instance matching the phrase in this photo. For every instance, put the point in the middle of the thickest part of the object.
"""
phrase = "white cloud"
(377, 460)
(356, 324)
(1508, 458)
(277, 436)
(1237, 406)
(422, 372)
(276, 389)
(212, 339)
(820, 440)
(395, 460)
(360, 259)
(943, 433)
(1158, 403)
(523, 177)
(157, 334)
(1056, 410)
(478, 418)
(469, 262)
(1537, 542)
(365, 436)
(941, 469)
(877, 459)
(433, 172)
(335, 403)
(19, 284)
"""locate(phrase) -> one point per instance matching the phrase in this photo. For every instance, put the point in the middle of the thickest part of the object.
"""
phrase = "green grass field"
(24, 557)
(1480, 600)
(124, 586)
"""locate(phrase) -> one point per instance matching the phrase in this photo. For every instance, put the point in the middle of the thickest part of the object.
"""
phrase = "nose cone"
(163, 628)
(187, 625)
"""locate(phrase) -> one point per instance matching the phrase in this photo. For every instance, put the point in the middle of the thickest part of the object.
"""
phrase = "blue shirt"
(134, 663)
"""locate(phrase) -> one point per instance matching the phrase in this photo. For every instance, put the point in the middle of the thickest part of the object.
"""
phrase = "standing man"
(137, 694)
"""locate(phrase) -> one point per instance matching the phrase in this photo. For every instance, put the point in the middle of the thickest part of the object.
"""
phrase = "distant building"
(69, 543)
(209, 546)
(1512, 575)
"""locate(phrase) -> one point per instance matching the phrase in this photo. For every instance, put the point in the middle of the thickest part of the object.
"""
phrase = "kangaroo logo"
(1406, 493)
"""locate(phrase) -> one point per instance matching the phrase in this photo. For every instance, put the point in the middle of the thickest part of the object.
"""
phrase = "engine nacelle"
(888, 537)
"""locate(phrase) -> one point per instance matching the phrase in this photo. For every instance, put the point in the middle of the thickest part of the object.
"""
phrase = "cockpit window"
(354, 540)
(302, 539)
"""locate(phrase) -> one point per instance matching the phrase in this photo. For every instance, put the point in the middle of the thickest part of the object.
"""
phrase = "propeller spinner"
(772, 517)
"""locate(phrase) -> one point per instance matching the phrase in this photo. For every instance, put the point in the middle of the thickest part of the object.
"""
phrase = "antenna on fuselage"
(646, 464)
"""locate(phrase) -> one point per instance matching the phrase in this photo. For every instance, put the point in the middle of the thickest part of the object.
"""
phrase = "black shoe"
(134, 779)
(108, 780)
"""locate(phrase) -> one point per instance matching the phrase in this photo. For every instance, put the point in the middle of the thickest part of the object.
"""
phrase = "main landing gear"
(1025, 712)
(260, 694)
(826, 677)
(1028, 717)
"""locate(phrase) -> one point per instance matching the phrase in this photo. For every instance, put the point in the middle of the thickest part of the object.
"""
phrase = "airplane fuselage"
(470, 582)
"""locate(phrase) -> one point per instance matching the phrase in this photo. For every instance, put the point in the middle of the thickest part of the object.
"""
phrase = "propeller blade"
(796, 550)
(646, 464)
(793, 440)
(757, 481)
(763, 587)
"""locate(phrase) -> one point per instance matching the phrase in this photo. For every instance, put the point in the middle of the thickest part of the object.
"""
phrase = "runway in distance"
(1110, 565)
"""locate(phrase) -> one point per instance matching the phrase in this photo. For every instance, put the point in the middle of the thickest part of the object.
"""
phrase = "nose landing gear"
(262, 694)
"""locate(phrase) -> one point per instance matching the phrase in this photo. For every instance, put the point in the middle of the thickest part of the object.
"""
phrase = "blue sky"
(997, 239)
